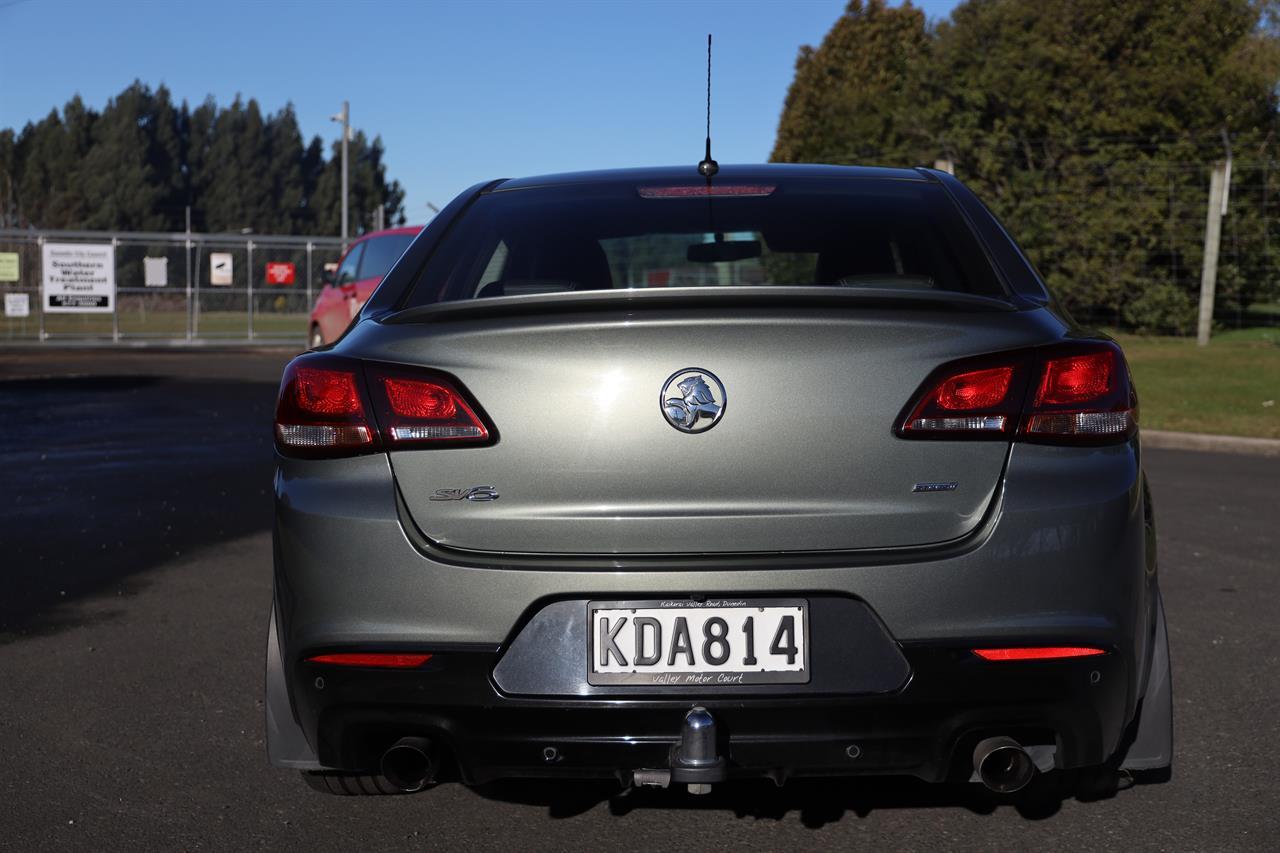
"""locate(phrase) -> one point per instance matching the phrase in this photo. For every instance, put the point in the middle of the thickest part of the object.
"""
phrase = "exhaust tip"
(410, 764)
(1003, 765)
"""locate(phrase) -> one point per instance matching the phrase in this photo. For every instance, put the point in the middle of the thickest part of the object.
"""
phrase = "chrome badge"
(475, 493)
(692, 400)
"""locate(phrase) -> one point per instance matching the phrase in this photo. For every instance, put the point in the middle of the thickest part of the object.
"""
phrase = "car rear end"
(642, 476)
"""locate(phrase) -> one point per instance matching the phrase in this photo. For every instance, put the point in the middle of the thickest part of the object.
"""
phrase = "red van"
(361, 269)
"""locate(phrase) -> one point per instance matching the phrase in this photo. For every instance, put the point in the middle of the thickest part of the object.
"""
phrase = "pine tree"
(142, 161)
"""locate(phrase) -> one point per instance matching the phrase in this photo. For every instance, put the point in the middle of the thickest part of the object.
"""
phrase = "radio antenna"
(708, 167)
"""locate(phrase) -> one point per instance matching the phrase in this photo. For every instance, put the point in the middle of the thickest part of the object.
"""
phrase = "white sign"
(155, 272)
(220, 268)
(17, 305)
(79, 278)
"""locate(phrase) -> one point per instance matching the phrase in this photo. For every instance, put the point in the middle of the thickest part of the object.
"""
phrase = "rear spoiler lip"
(671, 297)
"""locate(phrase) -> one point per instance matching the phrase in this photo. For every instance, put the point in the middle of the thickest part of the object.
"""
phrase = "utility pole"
(1218, 183)
(345, 118)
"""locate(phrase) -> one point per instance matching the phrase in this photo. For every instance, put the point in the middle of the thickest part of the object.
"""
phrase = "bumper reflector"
(1038, 653)
(373, 659)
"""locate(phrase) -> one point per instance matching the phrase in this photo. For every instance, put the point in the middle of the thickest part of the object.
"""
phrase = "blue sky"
(460, 92)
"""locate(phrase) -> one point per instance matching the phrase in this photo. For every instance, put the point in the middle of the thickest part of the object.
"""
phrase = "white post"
(249, 284)
(345, 118)
(187, 259)
(40, 292)
(115, 297)
(1212, 240)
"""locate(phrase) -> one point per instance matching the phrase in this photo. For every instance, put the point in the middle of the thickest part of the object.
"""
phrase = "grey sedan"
(671, 479)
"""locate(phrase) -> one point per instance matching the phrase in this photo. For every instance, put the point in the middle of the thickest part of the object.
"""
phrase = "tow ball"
(694, 760)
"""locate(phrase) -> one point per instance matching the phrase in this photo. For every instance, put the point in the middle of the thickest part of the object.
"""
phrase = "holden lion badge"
(692, 400)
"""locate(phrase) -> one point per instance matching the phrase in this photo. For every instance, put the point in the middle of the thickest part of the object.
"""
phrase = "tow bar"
(693, 760)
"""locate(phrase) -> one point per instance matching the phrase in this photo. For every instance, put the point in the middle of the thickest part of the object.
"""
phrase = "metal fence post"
(248, 278)
(115, 297)
(195, 296)
(40, 291)
(187, 259)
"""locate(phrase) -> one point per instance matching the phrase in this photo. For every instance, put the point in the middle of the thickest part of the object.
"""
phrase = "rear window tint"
(381, 252)
(854, 233)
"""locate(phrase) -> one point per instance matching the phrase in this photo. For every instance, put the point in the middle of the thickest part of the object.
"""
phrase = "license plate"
(713, 643)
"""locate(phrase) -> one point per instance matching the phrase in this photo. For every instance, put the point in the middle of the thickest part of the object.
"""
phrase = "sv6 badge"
(475, 493)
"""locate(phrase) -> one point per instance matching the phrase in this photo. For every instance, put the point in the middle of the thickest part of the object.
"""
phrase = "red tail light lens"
(331, 406)
(1038, 653)
(375, 660)
(968, 399)
(321, 412)
(1075, 379)
(424, 409)
(420, 399)
(1082, 396)
(978, 389)
(328, 392)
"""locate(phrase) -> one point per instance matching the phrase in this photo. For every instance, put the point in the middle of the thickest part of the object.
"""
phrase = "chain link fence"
(245, 288)
(1144, 273)
(1121, 242)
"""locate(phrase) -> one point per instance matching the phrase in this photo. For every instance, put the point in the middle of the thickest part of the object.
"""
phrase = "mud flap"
(1152, 747)
(286, 744)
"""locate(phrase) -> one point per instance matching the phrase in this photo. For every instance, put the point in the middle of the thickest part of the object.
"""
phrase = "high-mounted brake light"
(1039, 653)
(706, 189)
(374, 660)
(1082, 395)
(332, 406)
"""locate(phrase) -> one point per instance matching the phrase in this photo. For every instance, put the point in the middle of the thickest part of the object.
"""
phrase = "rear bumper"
(1065, 561)
(926, 729)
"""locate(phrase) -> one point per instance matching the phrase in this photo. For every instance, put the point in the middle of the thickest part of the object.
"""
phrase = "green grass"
(1231, 387)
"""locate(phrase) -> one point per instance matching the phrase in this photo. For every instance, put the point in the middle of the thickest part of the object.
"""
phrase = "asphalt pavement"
(135, 555)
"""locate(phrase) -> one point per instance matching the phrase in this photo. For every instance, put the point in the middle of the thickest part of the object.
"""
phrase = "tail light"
(373, 660)
(1039, 653)
(1074, 393)
(331, 406)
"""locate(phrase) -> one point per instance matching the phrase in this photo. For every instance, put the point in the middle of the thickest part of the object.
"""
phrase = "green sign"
(8, 266)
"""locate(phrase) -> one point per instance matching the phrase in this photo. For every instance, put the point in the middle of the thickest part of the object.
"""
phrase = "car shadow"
(818, 802)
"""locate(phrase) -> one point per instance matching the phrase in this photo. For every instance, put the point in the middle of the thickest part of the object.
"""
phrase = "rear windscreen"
(849, 233)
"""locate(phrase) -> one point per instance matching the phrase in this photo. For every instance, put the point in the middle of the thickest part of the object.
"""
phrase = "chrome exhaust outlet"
(1003, 765)
(410, 764)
